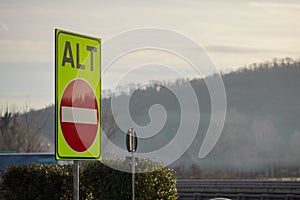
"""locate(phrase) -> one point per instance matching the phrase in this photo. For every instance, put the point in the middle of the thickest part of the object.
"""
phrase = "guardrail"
(238, 189)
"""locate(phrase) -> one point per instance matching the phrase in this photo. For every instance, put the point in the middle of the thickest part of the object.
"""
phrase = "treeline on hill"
(269, 88)
(261, 135)
(261, 123)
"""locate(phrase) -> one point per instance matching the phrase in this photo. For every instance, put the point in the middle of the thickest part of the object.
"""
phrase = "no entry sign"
(79, 117)
(77, 96)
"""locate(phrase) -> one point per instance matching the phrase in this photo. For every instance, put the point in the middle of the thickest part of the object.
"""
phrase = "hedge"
(38, 182)
(97, 181)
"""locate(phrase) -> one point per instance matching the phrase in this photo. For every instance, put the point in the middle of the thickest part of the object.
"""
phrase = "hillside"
(261, 127)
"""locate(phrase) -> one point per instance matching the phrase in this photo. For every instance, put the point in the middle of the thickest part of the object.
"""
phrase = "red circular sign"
(79, 116)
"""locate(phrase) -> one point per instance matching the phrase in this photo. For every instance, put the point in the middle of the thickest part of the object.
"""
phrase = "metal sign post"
(76, 180)
(133, 173)
(131, 144)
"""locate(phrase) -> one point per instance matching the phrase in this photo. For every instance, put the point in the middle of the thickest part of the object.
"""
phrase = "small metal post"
(131, 144)
(76, 180)
(133, 173)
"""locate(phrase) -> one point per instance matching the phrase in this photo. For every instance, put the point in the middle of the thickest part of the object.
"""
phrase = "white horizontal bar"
(79, 115)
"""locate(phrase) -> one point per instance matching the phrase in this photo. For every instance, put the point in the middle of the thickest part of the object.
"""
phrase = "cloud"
(13, 51)
(5, 28)
(240, 49)
(275, 5)
(233, 49)
(27, 37)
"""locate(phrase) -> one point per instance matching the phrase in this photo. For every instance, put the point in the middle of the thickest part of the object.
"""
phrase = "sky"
(234, 33)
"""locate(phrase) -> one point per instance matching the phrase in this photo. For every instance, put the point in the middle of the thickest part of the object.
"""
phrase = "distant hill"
(262, 124)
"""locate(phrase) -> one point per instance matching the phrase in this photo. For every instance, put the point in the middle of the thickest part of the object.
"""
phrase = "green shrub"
(106, 183)
(97, 181)
(159, 184)
(38, 182)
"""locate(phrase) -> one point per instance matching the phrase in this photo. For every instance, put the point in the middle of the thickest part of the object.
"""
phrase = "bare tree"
(109, 126)
(21, 133)
(7, 139)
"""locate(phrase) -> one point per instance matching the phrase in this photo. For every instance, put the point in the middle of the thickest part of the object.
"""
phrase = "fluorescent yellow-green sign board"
(77, 96)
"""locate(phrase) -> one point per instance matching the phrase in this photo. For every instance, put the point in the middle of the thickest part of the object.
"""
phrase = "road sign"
(79, 117)
(77, 96)
(131, 140)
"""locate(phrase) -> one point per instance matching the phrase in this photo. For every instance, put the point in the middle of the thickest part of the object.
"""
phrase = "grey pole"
(133, 171)
(76, 180)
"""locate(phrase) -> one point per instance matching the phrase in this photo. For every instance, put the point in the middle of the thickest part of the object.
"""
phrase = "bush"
(159, 184)
(97, 181)
(106, 183)
(38, 182)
